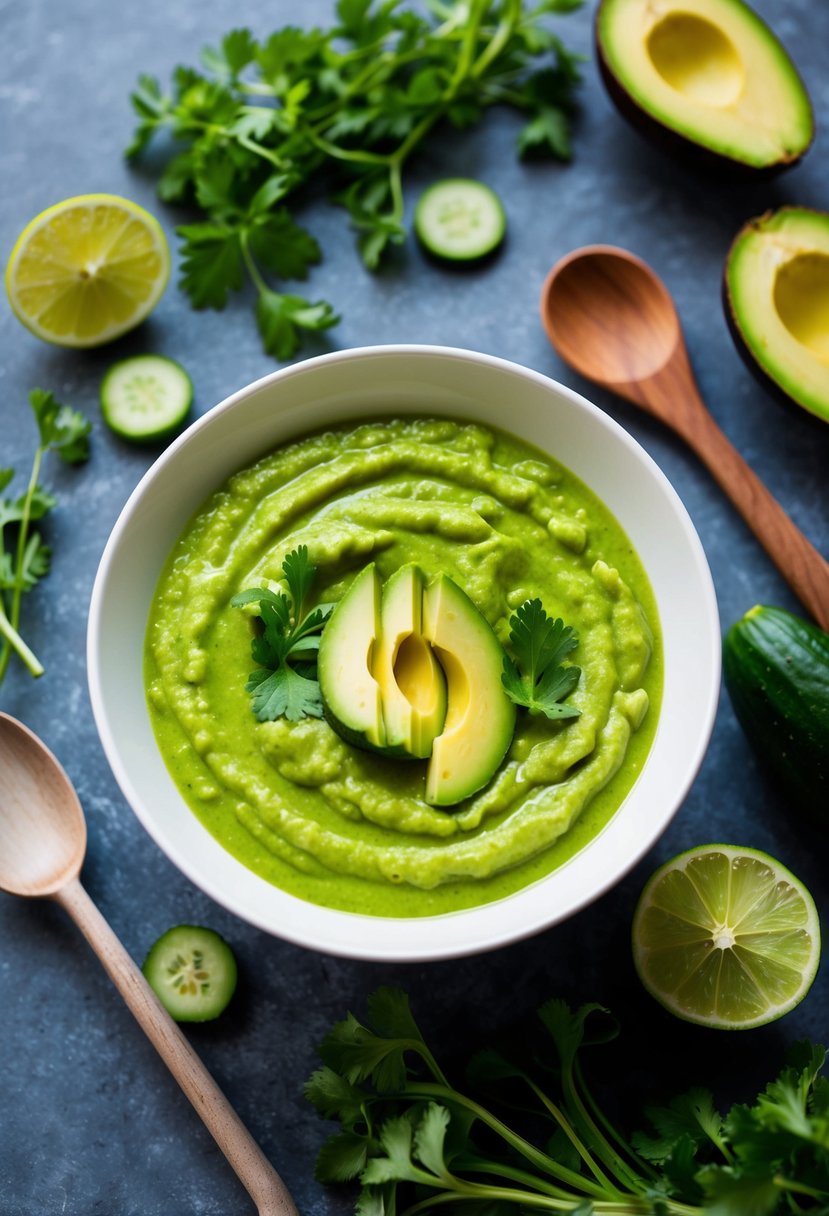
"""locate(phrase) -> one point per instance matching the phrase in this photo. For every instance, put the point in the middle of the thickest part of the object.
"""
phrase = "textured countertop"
(90, 1121)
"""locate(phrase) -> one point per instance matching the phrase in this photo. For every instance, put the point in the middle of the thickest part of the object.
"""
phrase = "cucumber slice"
(145, 398)
(192, 971)
(460, 219)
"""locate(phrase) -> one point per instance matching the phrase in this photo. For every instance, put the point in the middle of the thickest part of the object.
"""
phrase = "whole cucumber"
(776, 670)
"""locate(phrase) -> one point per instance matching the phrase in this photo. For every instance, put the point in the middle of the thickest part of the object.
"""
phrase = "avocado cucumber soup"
(468, 512)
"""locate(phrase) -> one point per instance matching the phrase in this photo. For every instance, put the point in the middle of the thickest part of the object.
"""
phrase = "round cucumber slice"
(460, 219)
(192, 971)
(146, 397)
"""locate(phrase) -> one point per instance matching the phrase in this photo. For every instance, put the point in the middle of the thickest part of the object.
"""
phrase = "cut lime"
(87, 270)
(726, 936)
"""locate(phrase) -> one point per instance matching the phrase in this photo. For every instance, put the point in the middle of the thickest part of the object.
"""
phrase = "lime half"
(87, 270)
(726, 936)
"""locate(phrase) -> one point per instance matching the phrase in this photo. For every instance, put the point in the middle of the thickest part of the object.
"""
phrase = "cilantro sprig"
(537, 678)
(415, 1141)
(24, 557)
(343, 108)
(285, 684)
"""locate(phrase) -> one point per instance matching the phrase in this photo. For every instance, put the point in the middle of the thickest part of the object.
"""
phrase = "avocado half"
(705, 78)
(776, 299)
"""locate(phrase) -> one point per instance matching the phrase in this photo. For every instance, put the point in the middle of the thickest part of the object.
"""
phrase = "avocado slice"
(776, 297)
(480, 718)
(412, 684)
(707, 78)
(351, 695)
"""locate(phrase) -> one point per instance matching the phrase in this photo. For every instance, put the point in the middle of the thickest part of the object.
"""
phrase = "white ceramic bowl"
(405, 380)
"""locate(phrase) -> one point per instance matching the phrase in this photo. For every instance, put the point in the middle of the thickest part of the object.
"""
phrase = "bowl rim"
(489, 931)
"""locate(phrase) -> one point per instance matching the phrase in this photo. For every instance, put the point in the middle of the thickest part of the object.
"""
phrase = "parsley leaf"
(24, 558)
(340, 109)
(536, 678)
(279, 688)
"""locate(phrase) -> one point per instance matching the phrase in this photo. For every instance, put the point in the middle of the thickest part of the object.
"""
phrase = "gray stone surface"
(90, 1122)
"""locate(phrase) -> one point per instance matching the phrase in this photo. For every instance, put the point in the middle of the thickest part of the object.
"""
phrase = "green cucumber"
(192, 971)
(460, 219)
(145, 398)
(776, 670)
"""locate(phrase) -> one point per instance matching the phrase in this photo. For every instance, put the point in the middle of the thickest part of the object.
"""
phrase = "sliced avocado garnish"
(412, 684)
(350, 692)
(705, 77)
(480, 718)
(776, 296)
(415, 671)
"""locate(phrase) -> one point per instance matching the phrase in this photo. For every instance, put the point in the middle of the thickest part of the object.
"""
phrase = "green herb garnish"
(416, 1142)
(285, 685)
(24, 558)
(344, 108)
(536, 678)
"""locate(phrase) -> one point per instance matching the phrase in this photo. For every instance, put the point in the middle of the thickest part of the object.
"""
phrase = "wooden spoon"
(42, 847)
(612, 319)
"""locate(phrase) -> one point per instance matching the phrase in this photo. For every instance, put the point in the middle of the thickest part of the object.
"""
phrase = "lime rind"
(726, 937)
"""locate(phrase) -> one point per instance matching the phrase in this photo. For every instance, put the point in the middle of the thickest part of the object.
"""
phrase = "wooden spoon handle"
(257, 1175)
(802, 566)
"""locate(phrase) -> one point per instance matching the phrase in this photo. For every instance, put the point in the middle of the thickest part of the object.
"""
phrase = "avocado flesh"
(708, 73)
(480, 718)
(412, 684)
(350, 693)
(776, 290)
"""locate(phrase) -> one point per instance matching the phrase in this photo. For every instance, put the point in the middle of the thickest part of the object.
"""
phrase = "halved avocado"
(350, 693)
(480, 718)
(776, 297)
(706, 78)
(412, 684)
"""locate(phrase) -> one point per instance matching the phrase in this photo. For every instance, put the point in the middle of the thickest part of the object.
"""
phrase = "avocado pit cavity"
(801, 297)
(696, 59)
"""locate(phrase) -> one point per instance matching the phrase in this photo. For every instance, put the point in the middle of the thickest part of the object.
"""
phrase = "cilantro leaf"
(284, 693)
(691, 1114)
(62, 429)
(417, 1143)
(279, 688)
(236, 51)
(281, 319)
(341, 1158)
(281, 244)
(24, 557)
(537, 680)
(341, 109)
(211, 263)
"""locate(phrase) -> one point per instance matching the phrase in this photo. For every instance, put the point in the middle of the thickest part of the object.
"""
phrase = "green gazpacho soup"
(347, 828)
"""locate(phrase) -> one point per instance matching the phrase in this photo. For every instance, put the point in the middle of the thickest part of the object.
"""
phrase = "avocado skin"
(772, 386)
(659, 135)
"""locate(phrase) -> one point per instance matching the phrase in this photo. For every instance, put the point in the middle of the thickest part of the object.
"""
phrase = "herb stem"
(10, 622)
(522, 1146)
(571, 1135)
(13, 642)
(252, 269)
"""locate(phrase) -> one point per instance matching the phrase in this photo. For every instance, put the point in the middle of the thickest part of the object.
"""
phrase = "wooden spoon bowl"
(613, 320)
(42, 847)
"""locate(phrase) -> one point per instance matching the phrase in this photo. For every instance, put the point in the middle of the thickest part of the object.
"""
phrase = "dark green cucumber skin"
(776, 670)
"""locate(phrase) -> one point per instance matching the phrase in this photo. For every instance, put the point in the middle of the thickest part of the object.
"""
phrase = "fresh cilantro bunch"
(537, 678)
(24, 558)
(285, 685)
(343, 108)
(414, 1142)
